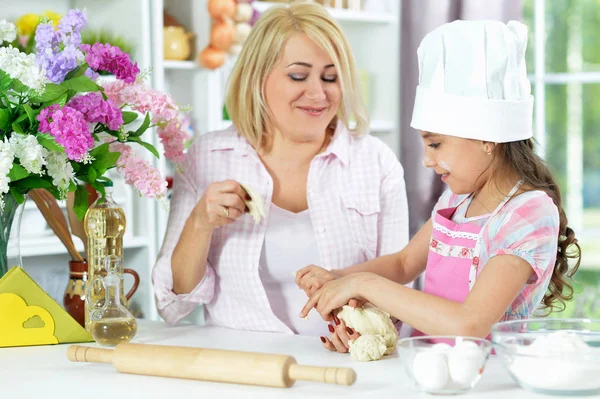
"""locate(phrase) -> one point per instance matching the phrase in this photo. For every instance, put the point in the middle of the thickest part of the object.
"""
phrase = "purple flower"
(69, 129)
(104, 57)
(90, 73)
(49, 56)
(96, 110)
(70, 26)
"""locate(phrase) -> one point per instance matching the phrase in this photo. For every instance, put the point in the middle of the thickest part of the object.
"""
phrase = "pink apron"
(453, 259)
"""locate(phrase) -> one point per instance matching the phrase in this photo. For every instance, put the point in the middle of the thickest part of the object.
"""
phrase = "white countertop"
(45, 372)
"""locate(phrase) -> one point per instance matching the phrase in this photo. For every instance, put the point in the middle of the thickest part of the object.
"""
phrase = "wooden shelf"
(340, 14)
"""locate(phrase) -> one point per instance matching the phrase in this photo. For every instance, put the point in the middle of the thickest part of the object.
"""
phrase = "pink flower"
(96, 110)
(464, 252)
(104, 57)
(172, 137)
(143, 99)
(139, 172)
(69, 129)
(476, 261)
(434, 243)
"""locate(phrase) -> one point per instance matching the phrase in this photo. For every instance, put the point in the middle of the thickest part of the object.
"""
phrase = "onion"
(211, 58)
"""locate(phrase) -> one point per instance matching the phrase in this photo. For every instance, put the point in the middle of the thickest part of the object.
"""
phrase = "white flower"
(60, 169)
(23, 67)
(8, 31)
(7, 156)
(31, 154)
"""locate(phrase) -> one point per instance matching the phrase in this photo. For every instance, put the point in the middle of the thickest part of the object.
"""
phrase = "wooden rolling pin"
(210, 365)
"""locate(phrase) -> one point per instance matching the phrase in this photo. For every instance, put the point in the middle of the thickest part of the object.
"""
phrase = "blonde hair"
(245, 100)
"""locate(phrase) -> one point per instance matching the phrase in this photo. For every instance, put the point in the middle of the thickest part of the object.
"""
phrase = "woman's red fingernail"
(349, 331)
(337, 321)
(323, 339)
(330, 328)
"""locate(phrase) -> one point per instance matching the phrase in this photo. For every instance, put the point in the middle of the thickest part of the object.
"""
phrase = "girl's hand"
(339, 335)
(312, 277)
(221, 204)
(335, 294)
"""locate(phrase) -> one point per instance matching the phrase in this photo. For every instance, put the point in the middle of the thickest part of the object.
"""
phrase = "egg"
(441, 348)
(430, 370)
(464, 362)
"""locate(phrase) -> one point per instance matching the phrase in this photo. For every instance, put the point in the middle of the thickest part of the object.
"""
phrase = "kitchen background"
(563, 63)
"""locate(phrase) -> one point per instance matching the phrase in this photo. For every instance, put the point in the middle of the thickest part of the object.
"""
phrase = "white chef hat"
(473, 82)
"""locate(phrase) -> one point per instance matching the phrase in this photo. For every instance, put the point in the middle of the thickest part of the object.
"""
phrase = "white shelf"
(51, 245)
(171, 64)
(340, 14)
(381, 126)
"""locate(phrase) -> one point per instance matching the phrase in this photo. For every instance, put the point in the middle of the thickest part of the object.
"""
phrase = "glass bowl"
(551, 356)
(444, 364)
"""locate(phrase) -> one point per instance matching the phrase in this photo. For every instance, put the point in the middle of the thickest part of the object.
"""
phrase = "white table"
(45, 372)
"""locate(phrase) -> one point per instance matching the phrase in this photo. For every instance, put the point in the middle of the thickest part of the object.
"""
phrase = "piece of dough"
(256, 205)
(368, 347)
(369, 320)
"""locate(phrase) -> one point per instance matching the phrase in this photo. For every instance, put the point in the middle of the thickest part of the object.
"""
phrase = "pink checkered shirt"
(357, 201)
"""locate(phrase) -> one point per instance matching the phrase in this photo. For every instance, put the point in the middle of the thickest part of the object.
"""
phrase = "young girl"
(496, 244)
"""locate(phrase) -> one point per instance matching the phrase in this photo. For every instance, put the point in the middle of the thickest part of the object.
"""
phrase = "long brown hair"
(521, 158)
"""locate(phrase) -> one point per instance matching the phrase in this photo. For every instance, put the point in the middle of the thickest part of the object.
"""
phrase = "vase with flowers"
(60, 130)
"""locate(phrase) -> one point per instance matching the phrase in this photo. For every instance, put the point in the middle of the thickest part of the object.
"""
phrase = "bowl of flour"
(551, 356)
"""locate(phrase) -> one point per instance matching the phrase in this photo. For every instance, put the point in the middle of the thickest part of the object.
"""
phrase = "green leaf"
(99, 187)
(19, 87)
(61, 100)
(79, 71)
(100, 150)
(30, 113)
(4, 118)
(17, 128)
(92, 174)
(106, 161)
(142, 128)
(81, 84)
(34, 181)
(80, 204)
(129, 117)
(49, 143)
(19, 197)
(52, 91)
(21, 118)
(17, 172)
(5, 82)
(149, 147)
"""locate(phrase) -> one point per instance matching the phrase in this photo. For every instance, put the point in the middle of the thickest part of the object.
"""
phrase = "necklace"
(481, 203)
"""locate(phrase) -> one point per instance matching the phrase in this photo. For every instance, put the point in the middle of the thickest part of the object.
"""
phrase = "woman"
(333, 197)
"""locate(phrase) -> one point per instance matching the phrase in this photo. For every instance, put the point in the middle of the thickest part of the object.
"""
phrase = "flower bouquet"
(60, 130)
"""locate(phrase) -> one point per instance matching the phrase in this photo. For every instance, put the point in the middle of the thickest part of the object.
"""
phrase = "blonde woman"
(333, 197)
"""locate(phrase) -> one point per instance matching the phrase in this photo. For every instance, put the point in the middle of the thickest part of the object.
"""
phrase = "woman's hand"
(312, 277)
(337, 293)
(339, 335)
(221, 204)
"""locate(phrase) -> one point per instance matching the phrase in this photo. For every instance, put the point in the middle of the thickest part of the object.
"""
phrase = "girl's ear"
(488, 147)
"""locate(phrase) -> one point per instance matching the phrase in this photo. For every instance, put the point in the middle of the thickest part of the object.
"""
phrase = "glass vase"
(10, 222)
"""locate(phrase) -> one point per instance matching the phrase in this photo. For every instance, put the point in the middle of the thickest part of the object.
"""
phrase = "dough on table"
(378, 333)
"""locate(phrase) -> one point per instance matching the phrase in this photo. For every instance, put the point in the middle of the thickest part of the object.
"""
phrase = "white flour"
(556, 362)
